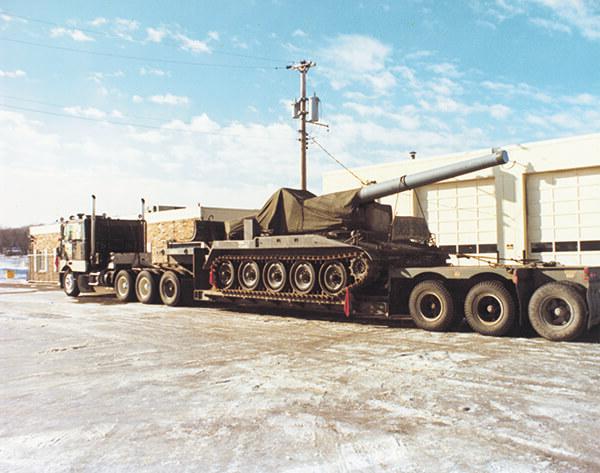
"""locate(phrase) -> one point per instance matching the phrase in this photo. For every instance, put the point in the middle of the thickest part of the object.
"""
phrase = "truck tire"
(170, 289)
(558, 311)
(490, 308)
(125, 286)
(146, 287)
(431, 306)
(70, 285)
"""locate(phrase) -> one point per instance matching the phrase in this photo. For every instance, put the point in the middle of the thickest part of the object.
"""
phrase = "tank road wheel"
(249, 275)
(225, 275)
(558, 311)
(333, 277)
(125, 286)
(146, 287)
(490, 308)
(70, 285)
(274, 276)
(431, 306)
(303, 276)
(169, 288)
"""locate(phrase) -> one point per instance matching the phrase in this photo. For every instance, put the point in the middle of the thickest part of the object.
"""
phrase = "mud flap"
(593, 296)
(348, 303)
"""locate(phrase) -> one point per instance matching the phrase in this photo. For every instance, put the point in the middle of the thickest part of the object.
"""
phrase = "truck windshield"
(73, 231)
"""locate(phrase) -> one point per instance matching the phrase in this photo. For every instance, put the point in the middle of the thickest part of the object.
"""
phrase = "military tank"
(303, 248)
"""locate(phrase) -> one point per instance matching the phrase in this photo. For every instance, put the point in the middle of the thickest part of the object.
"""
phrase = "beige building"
(544, 204)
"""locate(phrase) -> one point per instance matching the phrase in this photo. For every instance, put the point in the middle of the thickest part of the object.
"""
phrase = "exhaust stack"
(93, 232)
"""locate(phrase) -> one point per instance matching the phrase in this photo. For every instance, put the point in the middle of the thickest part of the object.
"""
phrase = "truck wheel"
(490, 308)
(170, 289)
(146, 287)
(70, 285)
(431, 306)
(558, 311)
(124, 286)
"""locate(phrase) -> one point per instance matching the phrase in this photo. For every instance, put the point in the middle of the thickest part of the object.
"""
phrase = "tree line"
(14, 240)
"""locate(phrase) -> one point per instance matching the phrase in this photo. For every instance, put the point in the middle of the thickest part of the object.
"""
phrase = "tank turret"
(292, 211)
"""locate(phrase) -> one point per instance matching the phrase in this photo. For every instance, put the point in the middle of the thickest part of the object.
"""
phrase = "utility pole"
(300, 111)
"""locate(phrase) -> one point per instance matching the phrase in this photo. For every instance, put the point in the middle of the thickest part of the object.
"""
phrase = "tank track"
(317, 296)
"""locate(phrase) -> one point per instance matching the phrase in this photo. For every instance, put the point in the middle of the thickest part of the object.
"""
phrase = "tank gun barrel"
(419, 179)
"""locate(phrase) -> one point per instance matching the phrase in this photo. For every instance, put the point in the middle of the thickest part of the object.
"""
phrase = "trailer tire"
(146, 287)
(70, 285)
(125, 286)
(170, 289)
(431, 306)
(490, 308)
(558, 311)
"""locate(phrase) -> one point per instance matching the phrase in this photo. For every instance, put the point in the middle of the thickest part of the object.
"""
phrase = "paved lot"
(96, 386)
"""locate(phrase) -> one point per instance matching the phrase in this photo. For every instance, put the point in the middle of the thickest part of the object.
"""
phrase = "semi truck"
(342, 252)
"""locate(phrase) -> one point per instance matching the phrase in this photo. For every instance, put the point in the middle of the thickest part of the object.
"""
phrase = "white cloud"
(169, 99)
(13, 74)
(550, 25)
(193, 45)
(214, 35)
(563, 15)
(522, 89)
(445, 69)
(130, 25)
(423, 53)
(150, 71)
(582, 99)
(155, 35)
(238, 43)
(89, 112)
(499, 111)
(74, 34)
(163, 165)
(137, 99)
(584, 15)
(358, 59)
(299, 33)
(99, 21)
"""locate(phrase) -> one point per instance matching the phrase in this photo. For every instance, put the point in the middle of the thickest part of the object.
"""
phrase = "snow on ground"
(94, 386)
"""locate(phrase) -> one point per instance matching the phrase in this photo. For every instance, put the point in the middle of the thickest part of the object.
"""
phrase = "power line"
(116, 36)
(63, 106)
(363, 182)
(128, 124)
(139, 58)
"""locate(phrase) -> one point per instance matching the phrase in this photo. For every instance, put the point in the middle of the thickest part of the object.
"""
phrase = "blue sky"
(189, 102)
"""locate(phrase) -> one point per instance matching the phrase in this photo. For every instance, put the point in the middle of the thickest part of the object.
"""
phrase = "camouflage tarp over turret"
(297, 211)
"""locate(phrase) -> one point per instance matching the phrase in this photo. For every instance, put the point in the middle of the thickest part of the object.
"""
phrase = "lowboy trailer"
(340, 252)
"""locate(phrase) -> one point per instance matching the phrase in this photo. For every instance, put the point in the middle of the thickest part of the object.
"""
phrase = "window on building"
(40, 261)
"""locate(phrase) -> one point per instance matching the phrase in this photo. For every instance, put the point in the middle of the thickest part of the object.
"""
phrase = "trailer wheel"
(490, 308)
(146, 287)
(70, 285)
(558, 311)
(125, 286)
(431, 306)
(170, 289)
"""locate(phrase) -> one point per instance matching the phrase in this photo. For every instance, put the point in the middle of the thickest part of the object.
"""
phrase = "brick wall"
(41, 257)
(160, 232)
